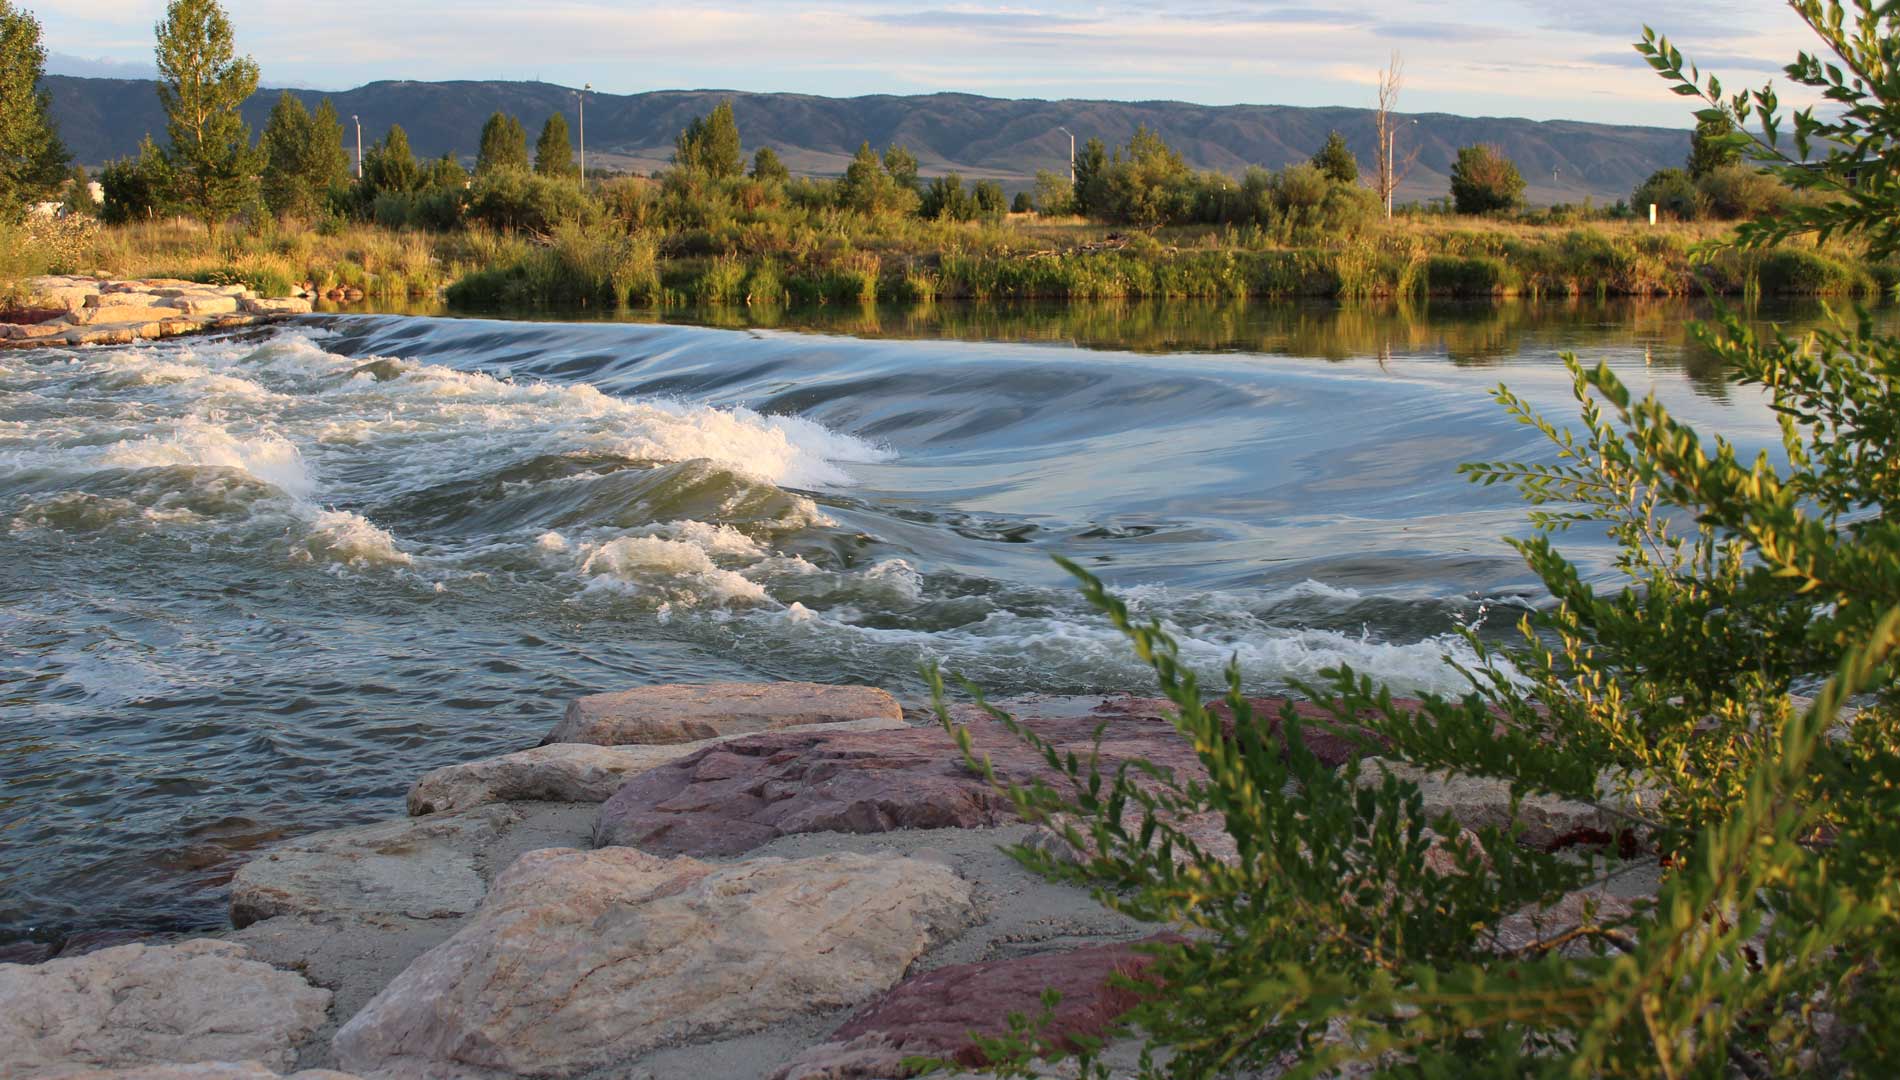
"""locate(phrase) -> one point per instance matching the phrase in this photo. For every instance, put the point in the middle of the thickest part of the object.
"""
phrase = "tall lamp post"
(359, 145)
(581, 97)
(1071, 136)
(1391, 143)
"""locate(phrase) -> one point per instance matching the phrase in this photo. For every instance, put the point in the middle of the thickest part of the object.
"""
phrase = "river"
(253, 586)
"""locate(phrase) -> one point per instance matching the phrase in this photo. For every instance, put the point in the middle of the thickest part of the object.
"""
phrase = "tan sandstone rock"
(281, 305)
(689, 712)
(423, 868)
(564, 772)
(140, 1005)
(582, 959)
(204, 303)
(114, 314)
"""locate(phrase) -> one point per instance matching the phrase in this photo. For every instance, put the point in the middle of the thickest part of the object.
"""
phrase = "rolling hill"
(980, 137)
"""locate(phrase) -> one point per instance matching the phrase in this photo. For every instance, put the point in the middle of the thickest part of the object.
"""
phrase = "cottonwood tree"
(767, 167)
(1336, 161)
(554, 152)
(202, 82)
(902, 165)
(1484, 181)
(1710, 147)
(504, 145)
(390, 166)
(32, 158)
(1391, 167)
(303, 157)
(710, 144)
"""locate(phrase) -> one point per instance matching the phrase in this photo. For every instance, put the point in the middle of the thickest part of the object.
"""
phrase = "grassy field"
(908, 260)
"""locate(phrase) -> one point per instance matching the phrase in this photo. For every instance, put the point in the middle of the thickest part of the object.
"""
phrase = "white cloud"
(1525, 58)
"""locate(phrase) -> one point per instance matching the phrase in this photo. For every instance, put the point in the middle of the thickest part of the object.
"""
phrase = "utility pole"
(581, 96)
(359, 146)
(1071, 136)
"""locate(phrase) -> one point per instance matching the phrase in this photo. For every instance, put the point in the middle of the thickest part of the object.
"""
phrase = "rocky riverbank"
(85, 310)
(726, 880)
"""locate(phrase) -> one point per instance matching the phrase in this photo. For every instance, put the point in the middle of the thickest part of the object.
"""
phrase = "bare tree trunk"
(1391, 169)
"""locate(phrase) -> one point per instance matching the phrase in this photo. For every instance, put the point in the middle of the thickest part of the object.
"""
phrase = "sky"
(1543, 60)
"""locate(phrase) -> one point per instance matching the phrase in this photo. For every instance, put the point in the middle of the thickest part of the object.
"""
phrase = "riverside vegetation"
(1667, 701)
(718, 229)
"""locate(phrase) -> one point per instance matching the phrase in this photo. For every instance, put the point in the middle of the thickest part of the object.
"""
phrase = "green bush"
(1484, 181)
(1672, 192)
(1801, 272)
(1738, 191)
(514, 199)
(1331, 929)
(1473, 275)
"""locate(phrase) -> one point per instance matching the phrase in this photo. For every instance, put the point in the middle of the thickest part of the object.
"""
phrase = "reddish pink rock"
(734, 797)
(936, 1014)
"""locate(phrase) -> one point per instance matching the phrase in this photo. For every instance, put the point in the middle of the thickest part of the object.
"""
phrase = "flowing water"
(254, 586)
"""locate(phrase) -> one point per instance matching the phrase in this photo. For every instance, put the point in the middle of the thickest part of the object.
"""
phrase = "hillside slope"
(978, 136)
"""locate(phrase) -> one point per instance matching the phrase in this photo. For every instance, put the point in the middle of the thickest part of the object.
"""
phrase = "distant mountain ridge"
(980, 137)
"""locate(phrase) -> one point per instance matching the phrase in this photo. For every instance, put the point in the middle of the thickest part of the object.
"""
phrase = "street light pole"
(1071, 136)
(1391, 147)
(581, 96)
(359, 146)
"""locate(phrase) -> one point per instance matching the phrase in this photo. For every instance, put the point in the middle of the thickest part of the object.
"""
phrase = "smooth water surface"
(254, 586)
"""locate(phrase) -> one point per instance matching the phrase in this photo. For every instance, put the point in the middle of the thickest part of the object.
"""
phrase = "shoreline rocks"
(582, 959)
(814, 890)
(68, 310)
(937, 1013)
(681, 713)
(568, 771)
(414, 868)
(143, 1005)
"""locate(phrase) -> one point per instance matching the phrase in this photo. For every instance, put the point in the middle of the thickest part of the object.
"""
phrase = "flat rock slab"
(689, 712)
(580, 960)
(414, 868)
(566, 772)
(141, 1005)
(729, 799)
(935, 1014)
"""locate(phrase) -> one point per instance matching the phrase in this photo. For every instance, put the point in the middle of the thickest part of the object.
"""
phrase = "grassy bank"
(1077, 261)
(905, 260)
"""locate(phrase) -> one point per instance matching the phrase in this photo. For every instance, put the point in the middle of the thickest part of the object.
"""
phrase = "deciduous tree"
(202, 82)
(1336, 160)
(504, 145)
(767, 167)
(710, 144)
(554, 152)
(32, 158)
(1484, 181)
(303, 157)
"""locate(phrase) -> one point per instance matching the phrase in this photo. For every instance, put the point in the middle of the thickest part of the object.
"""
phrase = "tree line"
(209, 166)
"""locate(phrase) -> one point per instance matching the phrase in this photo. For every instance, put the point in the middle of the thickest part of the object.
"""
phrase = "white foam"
(339, 536)
(193, 441)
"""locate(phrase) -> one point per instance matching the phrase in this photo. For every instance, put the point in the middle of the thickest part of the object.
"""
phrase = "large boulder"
(278, 305)
(141, 1005)
(681, 713)
(580, 960)
(415, 868)
(729, 799)
(566, 772)
(935, 1015)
